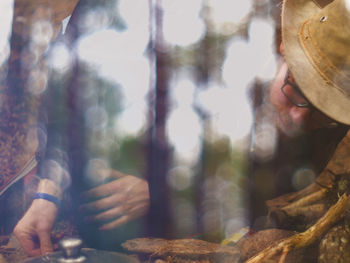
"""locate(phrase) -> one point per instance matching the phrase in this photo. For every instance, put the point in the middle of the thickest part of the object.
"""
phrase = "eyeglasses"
(293, 93)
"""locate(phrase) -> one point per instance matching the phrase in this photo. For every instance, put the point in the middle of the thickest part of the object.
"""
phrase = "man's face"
(293, 118)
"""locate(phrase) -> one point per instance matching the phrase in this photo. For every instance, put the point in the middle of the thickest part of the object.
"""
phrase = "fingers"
(131, 210)
(133, 213)
(109, 173)
(45, 241)
(115, 200)
(33, 252)
(27, 243)
(103, 204)
(31, 247)
(109, 214)
(116, 174)
(101, 191)
(125, 183)
(116, 223)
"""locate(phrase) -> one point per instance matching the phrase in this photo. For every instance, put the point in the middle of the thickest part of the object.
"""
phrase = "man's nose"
(299, 115)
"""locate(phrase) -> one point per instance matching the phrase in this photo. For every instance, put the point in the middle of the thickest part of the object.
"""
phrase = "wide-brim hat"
(316, 44)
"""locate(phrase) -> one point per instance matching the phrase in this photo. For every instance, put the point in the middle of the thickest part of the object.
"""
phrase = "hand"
(118, 202)
(34, 229)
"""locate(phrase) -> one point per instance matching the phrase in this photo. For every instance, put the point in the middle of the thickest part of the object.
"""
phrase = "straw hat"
(316, 43)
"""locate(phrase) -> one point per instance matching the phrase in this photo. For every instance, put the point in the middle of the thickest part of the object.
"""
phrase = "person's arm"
(34, 229)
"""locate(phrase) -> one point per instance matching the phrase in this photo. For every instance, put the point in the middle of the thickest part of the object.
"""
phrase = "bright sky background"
(120, 56)
(227, 104)
(5, 28)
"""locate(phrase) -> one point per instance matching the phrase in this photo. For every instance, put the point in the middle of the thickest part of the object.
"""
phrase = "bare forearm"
(50, 187)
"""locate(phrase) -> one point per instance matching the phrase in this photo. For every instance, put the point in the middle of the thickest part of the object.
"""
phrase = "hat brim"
(321, 93)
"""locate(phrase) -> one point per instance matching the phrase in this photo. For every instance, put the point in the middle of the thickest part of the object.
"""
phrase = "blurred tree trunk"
(157, 146)
(75, 129)
(205, 66)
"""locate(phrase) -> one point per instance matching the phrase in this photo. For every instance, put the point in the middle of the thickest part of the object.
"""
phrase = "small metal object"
(323, 19)
(71, 250)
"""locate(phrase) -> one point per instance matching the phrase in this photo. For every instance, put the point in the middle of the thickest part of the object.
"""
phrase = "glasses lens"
(294, 96)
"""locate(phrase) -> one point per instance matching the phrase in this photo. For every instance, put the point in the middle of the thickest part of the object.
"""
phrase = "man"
(309, 98)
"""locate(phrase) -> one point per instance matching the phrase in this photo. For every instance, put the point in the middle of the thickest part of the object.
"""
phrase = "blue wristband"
(48, 197)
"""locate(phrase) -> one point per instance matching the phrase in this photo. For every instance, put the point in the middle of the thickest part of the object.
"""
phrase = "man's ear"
(281, 49)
